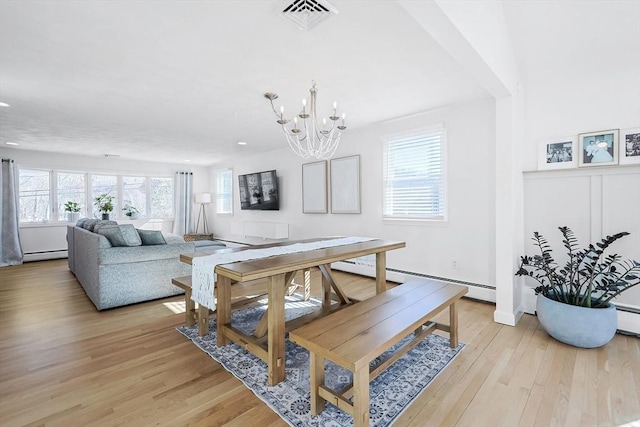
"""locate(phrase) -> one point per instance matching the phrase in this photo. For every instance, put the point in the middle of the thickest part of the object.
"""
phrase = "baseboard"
(476, 291)
(43, 256)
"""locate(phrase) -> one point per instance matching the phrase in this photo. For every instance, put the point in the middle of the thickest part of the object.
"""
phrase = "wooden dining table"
(268, 341)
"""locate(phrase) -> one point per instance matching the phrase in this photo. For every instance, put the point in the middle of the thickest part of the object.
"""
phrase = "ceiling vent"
(307, 13)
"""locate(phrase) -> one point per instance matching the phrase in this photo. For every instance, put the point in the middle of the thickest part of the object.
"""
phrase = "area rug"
(390, 393)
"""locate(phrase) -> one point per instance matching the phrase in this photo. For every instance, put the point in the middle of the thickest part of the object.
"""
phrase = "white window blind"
(414, 176)
(224, 192)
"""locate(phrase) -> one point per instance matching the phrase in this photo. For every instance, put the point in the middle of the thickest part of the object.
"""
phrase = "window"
(414, 176)
(34, 194)
(43, 194)
(224, 192)
(101, 184)
(71, 188)
(134, 193)
(161, 197)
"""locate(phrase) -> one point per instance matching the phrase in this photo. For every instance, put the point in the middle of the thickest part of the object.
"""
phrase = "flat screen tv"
(259, 191)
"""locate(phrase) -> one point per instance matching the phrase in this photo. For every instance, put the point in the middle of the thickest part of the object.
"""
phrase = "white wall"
(596, 201)
(48, 240)
(467, 237)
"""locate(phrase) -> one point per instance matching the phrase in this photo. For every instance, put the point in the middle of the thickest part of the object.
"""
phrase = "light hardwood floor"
(62, 363)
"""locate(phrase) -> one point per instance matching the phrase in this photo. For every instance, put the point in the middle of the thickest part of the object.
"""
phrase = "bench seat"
(356, 335)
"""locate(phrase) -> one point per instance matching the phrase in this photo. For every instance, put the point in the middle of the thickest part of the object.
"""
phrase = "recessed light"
(2, 104)
(242, 143)
(12, 143)
(187, 160)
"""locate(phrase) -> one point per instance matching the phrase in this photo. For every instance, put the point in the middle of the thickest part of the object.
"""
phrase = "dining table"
(268, 340)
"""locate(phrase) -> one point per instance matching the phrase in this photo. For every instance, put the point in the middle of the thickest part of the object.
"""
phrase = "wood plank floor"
(62, 363)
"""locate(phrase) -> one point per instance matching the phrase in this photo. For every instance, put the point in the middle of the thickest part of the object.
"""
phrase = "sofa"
(115, 272)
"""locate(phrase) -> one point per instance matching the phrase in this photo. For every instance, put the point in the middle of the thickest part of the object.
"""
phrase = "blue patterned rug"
(390, 393)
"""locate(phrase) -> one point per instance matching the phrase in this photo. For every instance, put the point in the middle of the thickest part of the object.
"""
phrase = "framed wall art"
(314, 187)
(345, 185)
(630, 146)
(558, 153)
(598, 148)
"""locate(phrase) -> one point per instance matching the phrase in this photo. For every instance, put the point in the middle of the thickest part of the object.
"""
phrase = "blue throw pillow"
(121, 235)
(151, 237)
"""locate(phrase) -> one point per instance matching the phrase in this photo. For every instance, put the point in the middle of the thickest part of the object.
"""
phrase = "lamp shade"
(203, 198)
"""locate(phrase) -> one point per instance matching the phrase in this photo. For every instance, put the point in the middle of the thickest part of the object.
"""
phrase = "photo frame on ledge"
(314, 187)
(558, 153)
(345, 185)
(630, 146)
(598, 148)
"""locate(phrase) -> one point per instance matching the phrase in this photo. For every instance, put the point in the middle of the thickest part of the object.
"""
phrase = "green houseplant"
(585, 286)
(130, 211)
(73, 210)
(104, 203)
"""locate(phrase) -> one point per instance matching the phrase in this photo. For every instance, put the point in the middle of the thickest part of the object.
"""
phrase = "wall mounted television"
(259, 191)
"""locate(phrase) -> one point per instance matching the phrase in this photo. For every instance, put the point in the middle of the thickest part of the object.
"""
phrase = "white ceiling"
(184, 80)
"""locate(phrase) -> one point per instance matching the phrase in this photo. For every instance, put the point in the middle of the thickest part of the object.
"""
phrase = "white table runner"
(204, 278)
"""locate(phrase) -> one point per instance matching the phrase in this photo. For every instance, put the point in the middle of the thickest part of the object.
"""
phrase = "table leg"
(306, 274)
(276, 329)
(326, 291)
(223, 308)
(453, 325)
(381, 272)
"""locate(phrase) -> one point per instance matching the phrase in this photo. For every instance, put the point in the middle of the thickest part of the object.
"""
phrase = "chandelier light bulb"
(304, 102)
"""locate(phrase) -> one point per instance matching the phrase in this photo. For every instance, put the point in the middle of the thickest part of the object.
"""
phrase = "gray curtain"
(10, 249)
(183, 222)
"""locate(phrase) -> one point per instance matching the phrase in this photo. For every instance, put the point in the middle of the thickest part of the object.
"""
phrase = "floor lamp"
(203, 199)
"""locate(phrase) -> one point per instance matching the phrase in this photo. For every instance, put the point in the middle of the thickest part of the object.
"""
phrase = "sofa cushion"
(151, 237)
(121, 235)
(101, 223)
(89, 223)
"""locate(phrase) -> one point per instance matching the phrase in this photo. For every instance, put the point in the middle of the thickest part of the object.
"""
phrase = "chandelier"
(305, 135)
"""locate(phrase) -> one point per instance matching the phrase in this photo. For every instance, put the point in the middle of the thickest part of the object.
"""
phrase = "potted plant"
(574, 302)
(73, 211)
(104, 203)
(130, 211)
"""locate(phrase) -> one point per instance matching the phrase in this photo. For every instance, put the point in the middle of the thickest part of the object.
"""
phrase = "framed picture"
(598, 148)
(345, 185)
(314, 187)
(558, 153)
(630, 146)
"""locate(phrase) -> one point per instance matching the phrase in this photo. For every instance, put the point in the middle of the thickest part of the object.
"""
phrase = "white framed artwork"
(558, 153)
(314, 187)
(345, 185)
(630, 146)
(598, 148)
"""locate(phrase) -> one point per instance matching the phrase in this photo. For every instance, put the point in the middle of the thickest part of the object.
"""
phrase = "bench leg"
(316, 366)
(361, 397)
(203, 320)
(453, 325)
(189, 308)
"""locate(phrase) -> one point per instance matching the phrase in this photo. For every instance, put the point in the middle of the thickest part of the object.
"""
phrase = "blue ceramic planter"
(578, 326)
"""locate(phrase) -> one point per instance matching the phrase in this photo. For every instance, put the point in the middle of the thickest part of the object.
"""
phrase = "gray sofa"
(116, 276)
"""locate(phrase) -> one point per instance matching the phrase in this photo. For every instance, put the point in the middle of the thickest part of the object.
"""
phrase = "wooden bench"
(356, 335)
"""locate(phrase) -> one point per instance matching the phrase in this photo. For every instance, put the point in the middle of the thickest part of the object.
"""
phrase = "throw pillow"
(151, 237)
(101, 223)
(81, 222)
(121, 235)
(89, 223)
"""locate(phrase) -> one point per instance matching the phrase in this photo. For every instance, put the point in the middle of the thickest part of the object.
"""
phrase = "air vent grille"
(308, 13)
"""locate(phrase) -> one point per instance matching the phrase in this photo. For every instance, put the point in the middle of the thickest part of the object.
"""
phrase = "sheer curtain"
(10, 249)
(183, 222)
